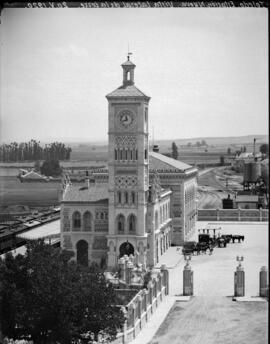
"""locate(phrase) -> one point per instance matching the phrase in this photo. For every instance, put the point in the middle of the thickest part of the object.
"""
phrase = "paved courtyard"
(211, 317)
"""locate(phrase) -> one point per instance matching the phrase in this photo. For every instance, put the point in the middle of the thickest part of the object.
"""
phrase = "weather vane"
(129, 53)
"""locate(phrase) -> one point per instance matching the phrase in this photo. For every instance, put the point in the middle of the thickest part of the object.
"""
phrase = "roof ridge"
(127, 90)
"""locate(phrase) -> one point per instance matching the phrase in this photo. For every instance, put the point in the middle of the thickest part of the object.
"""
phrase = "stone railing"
(247, 215)
(140, 309)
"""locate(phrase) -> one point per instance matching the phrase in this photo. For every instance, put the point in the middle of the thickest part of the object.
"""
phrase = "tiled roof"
(128, 63)
(74, 193)
(127, 91)
(159, 161)
(33, 175)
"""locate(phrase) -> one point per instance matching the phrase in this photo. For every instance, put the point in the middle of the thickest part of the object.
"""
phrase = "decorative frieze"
(126, 181)
(125, 141)
(66, 220)
(100, 243)
(67, 244)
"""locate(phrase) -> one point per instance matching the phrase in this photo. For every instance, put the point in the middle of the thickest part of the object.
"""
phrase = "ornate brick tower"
(128, 169)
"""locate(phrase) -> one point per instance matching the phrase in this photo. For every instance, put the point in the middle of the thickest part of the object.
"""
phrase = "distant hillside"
(216, 146)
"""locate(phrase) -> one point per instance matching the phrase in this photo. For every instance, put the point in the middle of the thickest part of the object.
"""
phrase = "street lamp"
(239, 259)
(187, 258)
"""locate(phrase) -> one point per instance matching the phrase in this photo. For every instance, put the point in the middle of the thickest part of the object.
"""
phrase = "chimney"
(156, 148)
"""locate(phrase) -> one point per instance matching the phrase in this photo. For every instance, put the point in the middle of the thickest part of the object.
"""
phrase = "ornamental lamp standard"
(187, 258)
(239, 260)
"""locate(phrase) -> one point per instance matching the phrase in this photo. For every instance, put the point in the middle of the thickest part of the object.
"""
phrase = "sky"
(205, 69)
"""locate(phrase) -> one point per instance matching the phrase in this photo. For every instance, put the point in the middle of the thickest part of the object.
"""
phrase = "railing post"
(239, 214)
(264, 282)
(125, 326)
(140, 310)
(165, 273)
(217, 214)
(239, 279)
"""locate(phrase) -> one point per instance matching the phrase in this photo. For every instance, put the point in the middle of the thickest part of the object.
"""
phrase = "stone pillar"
(239, 214)
(112, 259)
(125, 325)
(239, 281)
(217, 214)
(260, 210)
(264, 282)
(146, 293)
(165, 274)
(140, 310)
(187, 280)
(122, 268)
(150, 293)
(129, 270)
(133, 319)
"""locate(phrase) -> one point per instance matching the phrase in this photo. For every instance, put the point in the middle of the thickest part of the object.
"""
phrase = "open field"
(212, 187)
(12, 192)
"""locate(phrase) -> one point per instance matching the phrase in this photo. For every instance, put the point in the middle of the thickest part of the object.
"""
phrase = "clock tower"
(128, 169)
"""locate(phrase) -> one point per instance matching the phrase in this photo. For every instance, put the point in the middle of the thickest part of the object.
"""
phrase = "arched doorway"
(82, 252)
(126, 248)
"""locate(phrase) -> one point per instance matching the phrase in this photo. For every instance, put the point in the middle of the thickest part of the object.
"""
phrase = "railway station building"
(142, 203)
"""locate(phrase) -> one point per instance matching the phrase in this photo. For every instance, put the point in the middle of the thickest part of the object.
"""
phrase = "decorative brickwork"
(125, 182)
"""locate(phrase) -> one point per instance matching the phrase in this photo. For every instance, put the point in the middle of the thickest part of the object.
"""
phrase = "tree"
(264, 148)
(222, 160)
(50, 299)
(203, 143)
(37, 165)
(174, 151)
(51, 168)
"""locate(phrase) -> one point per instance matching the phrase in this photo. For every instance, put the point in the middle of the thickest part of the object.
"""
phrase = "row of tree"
(47, 298)
(32, 150)
(201, 143)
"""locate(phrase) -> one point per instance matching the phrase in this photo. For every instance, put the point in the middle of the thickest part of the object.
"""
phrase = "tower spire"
(128, 53)
(128, 70)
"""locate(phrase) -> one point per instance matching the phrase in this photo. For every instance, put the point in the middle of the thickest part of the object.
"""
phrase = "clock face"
(126, 119)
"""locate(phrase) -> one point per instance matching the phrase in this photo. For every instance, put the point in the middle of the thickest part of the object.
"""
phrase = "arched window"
(82, 252)
(119, 196)
(76, 221)
(133, 197)
(120, 223)
(132, 223)
(156, 219)
(126, 197)
(126, 154)
(87, 221)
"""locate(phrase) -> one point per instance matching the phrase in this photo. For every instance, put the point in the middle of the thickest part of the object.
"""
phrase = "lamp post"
(239, 260)
(239, 278)
(187, 277)
(187, 258)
